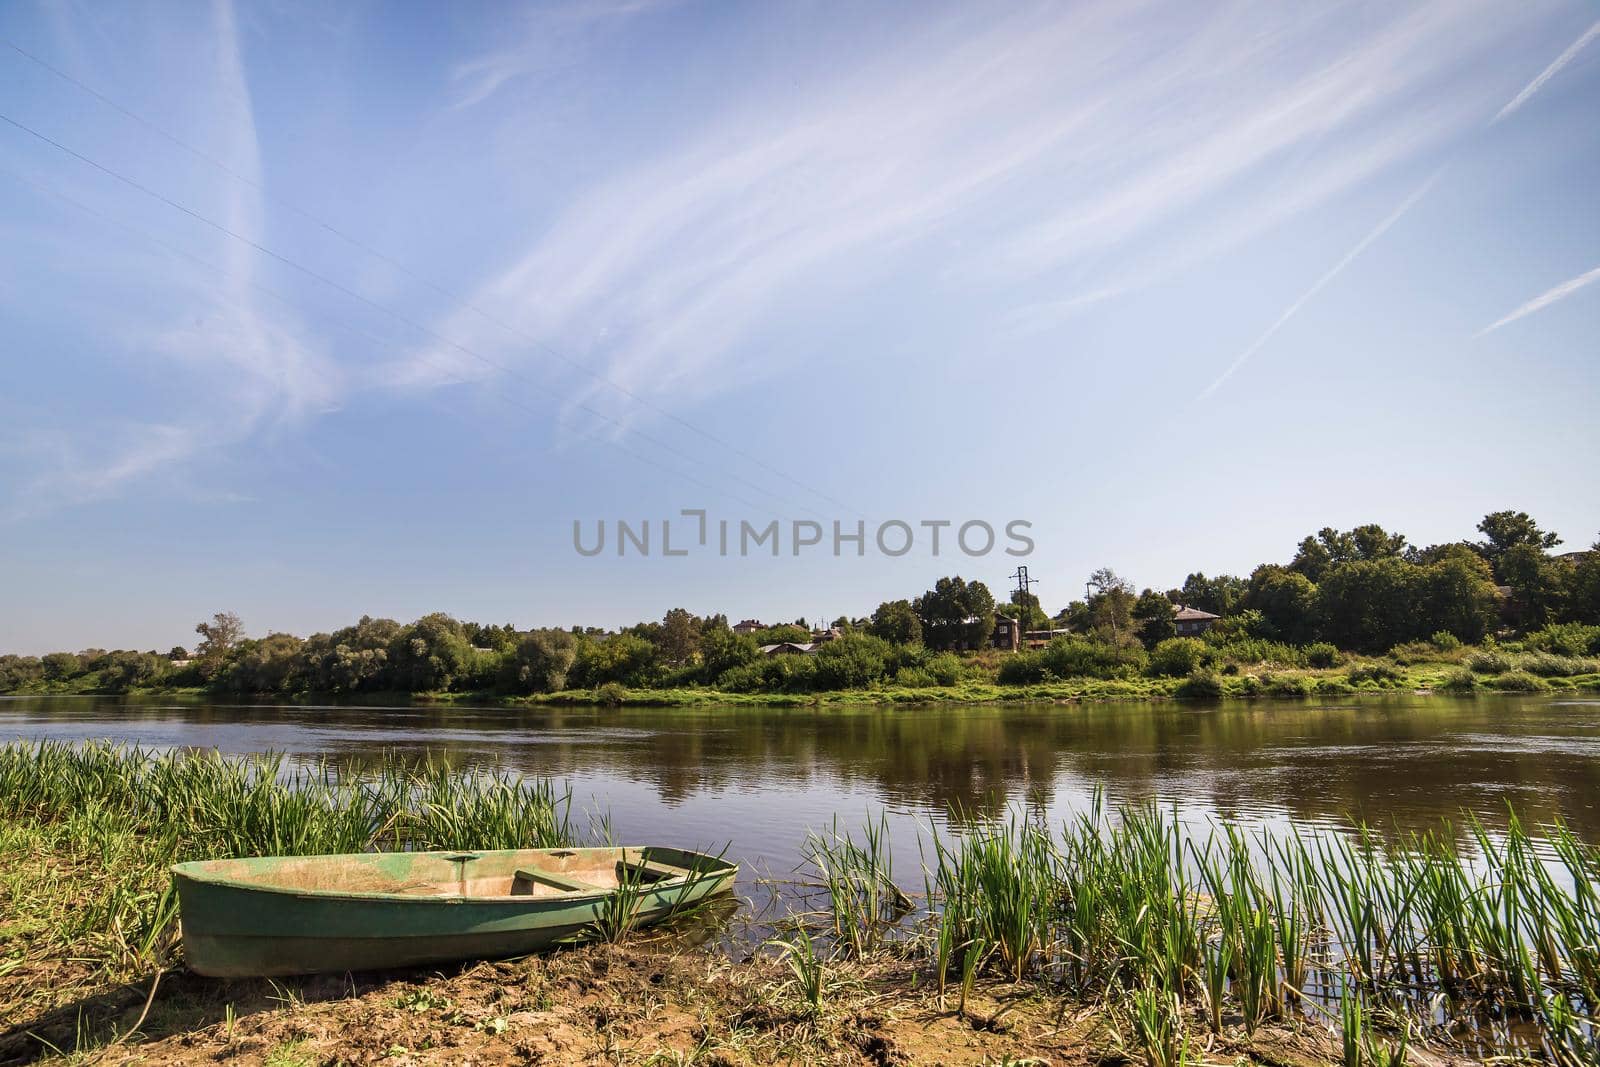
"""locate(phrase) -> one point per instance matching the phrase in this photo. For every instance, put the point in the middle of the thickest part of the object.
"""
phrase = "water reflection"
(760, 777)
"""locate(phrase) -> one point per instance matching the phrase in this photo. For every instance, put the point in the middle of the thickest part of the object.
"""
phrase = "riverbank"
(76, 987)
(1118, 936)
(1375, 677)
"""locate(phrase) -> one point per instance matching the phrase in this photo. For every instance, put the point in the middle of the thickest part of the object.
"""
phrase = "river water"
(755, 780)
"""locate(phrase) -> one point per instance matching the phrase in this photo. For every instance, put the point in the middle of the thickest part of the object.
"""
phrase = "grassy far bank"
(1352, 610)
(1107, 940)
(1553, 659)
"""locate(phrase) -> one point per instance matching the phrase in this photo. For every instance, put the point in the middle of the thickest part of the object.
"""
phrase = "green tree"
(722, 650)
(352, 659)
(429, 654)
(626, 659)
(1505, 530)
(217, 638)
(896, 622)
(272, 664)
(59, 666)
(1458, 595)
(1538, 583)
(1287, 601)
(1373, 605)
(540, 661)
(678, 640)
(1025, 608)
(853, 661)
(1583, 601)
(1222, 595)
(17, 672)
(1111, 606)
(1329, 547)
(1154, 614)
(956, 613)
(777, 635)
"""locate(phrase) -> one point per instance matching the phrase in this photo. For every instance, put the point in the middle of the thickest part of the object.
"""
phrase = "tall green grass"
(1243, 926)
(222, 806)
(129, 813)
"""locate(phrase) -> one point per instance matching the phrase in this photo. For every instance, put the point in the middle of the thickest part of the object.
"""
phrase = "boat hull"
(258, 917)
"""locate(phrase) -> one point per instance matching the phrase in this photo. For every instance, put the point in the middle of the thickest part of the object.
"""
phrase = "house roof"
(797, 646)
(1188, 614)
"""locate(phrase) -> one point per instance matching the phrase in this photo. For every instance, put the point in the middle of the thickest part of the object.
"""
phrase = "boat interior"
(531, 873)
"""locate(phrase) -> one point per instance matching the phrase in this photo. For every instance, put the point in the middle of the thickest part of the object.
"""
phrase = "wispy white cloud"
(550, 37)
(1544, 300)
(1321, 283)
(1087, 152)
(249, 358)
(1378, 231)
(1550, 72)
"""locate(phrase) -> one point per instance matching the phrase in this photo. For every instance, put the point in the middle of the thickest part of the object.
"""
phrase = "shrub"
(1260, 650)
(1566, 639)
(1288, 685)
(1489, 662)
(1074, 657)
(1459, 680)
(772, 674)
(1323, 654)
(1178, 657)
(1413, 652)
(1250, 686)
(853, 661)
(1200, 685)
(1375, 674)
(1023, 668)
(1445, 641)
(1550, 665)
(946, 668)
(611, 694)
(914, 678)
(1333, 686)
(1519, 682)
(746, 679)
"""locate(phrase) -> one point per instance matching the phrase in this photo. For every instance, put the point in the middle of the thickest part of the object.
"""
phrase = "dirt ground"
(610, 1005)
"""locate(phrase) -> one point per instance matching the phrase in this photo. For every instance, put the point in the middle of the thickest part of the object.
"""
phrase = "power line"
(397, 316)
(288, 302)
(444, 291)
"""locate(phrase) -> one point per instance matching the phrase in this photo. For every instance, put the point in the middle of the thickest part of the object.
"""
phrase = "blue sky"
(319, 311)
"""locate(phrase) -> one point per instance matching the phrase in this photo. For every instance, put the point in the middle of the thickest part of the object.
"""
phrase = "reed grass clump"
(223, 806)
(857, 874)
(1499, 930)
(119, 817)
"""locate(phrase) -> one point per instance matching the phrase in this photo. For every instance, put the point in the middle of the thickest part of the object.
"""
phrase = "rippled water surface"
(758, 779)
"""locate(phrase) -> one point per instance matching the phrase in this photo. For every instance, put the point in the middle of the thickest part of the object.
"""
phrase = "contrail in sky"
(1550, 72)
(1544, 300)
(1527, 309)
(1349, 257)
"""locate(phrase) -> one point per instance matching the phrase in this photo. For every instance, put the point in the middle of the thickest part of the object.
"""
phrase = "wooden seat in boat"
(555, 881)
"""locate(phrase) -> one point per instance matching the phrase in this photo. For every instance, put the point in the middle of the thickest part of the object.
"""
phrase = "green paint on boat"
(280, 915)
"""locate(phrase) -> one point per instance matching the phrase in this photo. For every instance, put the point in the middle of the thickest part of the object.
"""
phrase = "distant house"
(748, 626)
(789, 648)
(1192, 622)
(1007, 633)
(955, 636)
(1041, 638)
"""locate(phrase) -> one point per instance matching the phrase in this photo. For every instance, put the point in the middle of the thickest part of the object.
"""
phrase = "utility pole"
(1024, 583)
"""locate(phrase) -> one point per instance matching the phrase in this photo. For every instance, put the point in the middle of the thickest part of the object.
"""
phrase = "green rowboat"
(278, 915)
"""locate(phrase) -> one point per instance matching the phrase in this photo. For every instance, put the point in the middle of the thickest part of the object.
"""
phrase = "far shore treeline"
(1508, 609)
